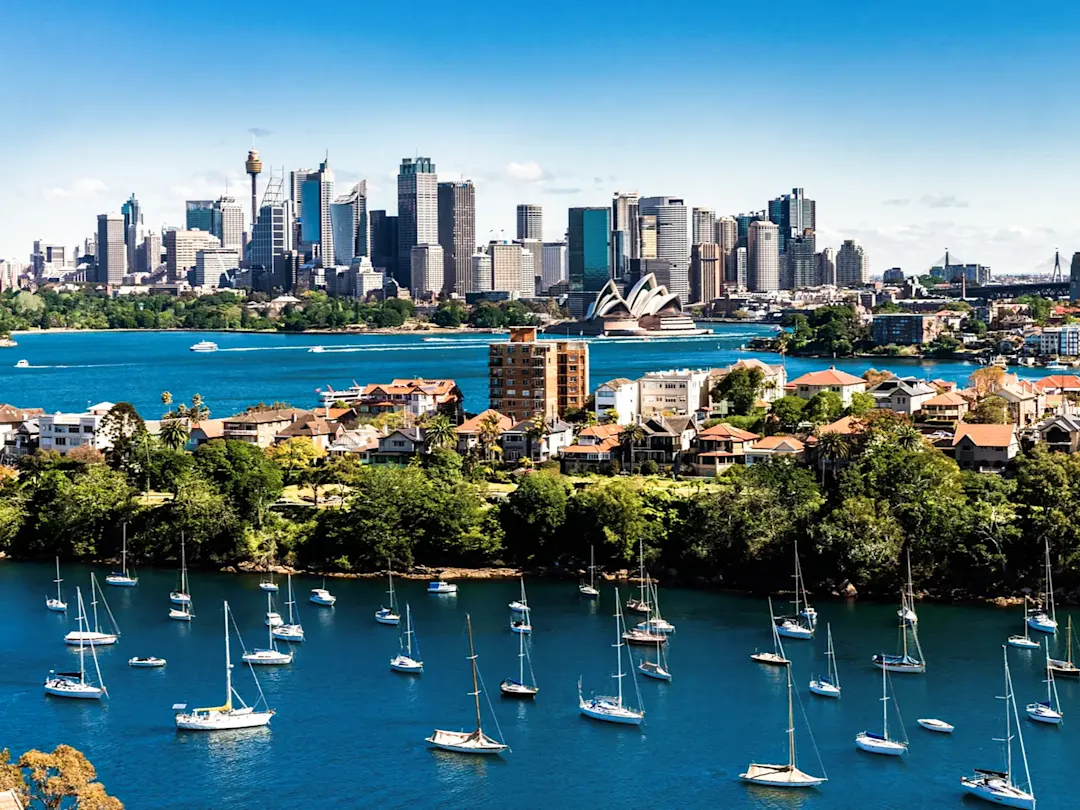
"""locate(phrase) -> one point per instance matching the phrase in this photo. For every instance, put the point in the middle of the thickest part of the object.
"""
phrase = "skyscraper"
(553, 265)
(272, 234)
(800, 262)
(111, 250)
(530, 222)
(507, 267)
(352, 224)
(535, 261)
(646, 237)
(481, 273)
(1074, 278)
(427, 264)
(827, 266)
(706, 272)
(727, 237)
(704, 226)
(457, 233)
(133, 229)
(148, 256)
(852, 265)
(199, 215)
(297, 178)
(384, 243)
(762, 257)
(624, 218)
(181, 249)
(793, 214)
(317, 227)
(588, 256)
(672, 239)
(228, 223)
(418, 210)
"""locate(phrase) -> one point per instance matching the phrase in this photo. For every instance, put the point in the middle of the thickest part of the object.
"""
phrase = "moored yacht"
(204, 346)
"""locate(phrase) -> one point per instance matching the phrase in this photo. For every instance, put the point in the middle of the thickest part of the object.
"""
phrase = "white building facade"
(619, 395)
(673, 393)
(63, 432)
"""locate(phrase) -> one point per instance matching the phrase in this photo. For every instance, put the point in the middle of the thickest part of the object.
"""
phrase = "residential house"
(259, 427)
(518, 443)
(205, 431)
(1059, 384)
(773, 447)
(904, 395)
(773, 385)
(1062, 433)
(984, 448)
(619, 395)
(673, 393)
(63, 431)
(21, 442)
(413, 398)
(1024, 403)
(322, 432)
(358, 442)
(948, 407)
(11, 420)
(9, 800)
(831, 379)
(469, 432)
(597, 446)
(719, 447)
(399, 447)
(666, 440)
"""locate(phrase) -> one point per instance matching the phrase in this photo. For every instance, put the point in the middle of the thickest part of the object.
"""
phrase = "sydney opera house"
(647, 309)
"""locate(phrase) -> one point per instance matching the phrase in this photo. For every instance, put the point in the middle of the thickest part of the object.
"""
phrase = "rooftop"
(830, 376)
(985, 435)
(948, 398)
(779, 443)
(474, 424)
(726, 431)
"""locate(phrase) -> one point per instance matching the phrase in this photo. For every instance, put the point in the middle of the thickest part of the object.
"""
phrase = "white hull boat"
(178, 598)
(121, 579)
(651, 669)
(521, 626)
(268, 586)
(518, 607)
(146, 663)
(788, 628)
(656, 626)
(773, 659)
(273, 619)
(204, 346)
(643, 638)
(443, 588)
(899, 663)
(1023, 642)
(589, 591)
(57, 604)
(407, 660)
(69, 686)
(876, 744)
(828, 685)
(402, 663)
(933, 724)
(609, 710)
(992, 788)
(385, 616)
(388, 615)
(179, 615)
(822, 687)
(292, 633)
(267, 658)
(90, 638)
(780, 776)
(323, 597)
(1042, 713)
(1042, 623)
(465, 742)
(517, 689)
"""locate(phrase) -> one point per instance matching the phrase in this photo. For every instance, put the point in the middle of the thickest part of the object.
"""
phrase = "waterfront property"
(905, 395)
(260, 427)
(831, 379)
(945, 408)
(773, 447)
(63, 432)
(719, 447)
(619, 395)
(681, 392)
(529, 376)
(905, 329)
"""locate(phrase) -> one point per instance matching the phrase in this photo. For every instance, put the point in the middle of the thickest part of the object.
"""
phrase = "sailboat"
(321, 596)
(1043, 617)
(268, 584)
(828, 685)
(468, 742)
(74, 684)
(999, 787)
(881, 743)
(181, 596)
(801, 625)
(271, 656)
(783, 776)
(904, 662)
(389, 615)
(292, 630)
(1024, 642)
(517, 687)
(1050, 710)
(611, 709)
(655, 669)
(95, 637)
(227, 716)
(656, 623)
(907, 600)
(522, 624)
(641, 604)
(776, 657)
(122, 579)
(57, 605)
(520, 605)
(1066, 668)
(590, 589)
(406, 660)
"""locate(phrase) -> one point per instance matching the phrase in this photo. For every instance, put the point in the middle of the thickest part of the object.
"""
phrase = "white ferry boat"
(204, 346)
(23, 364)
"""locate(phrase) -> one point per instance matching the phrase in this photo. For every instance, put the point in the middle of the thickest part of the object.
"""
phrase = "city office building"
(800, 262)
(481, 273)
(297, 178)
(228, 223)
(133, 229)
(588, 256)
(530, 222)
(199, 215)
(894, 275)
(362, 279)
(1074, 277)
(852, 265)
(148, 256)
(704, 228)
(272, 235)
(181, 248)
(762, 257)
(706, 272)
(727, 237)
(507, 267)
(827, 266)
(530, 377)
(646, 237)
(905, 329)
(741, 264)
(384, 243)
(55, 255)
(316, 224)
(742, 226)
(213, 266)
(624, 219)
(111, 249)
(972, 273)
(418, 210)
(535, 249)
(553, 265)
(352, 231)
(793, 214)
(672, 239)
(427, 265)
(457, 233)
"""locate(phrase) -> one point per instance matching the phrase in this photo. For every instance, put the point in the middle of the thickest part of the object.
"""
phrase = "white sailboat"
(904, 662)
(641, 604)
(828, 685)
(521, 622)
(800, 625)
(271, 656)
(57, 605)
(181, 596)
(468, 742)
(657, 669)
(1024, 642)
(590, 589)
(267, 583)
(122, 579)
(611, 709)
(95, 637)
(907, 600)
(999, 787)
(881, 743)
(389, 615)
(518, 687)
(776, 657)
(521, 604)
(656, 623)
(407, 660)
(292, 630)
(321, 596)
(219, 718)
(1048, 711)
(74, 684)
(783, 776)
(1043, 617)
(1065, 668)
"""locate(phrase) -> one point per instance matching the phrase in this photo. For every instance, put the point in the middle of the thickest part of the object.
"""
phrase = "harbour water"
(68, 371)
(349, 733)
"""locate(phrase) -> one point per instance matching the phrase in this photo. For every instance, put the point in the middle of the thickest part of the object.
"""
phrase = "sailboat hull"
(465, 742)
(901, 664)
(591, 593)
(60, 687)
(179, 615)
(1041, 713)
(179, 598)
(121, 582)
(874, 744)
(1023, 643)
(650, 669)
(268, 586)
(1042, 623)
(610, 711)
(402, 663)
(387, 618)
(56, 606)
(291, 633)
(792, 630)
(824, 689)
(998, 791)
(1064, 669)
(513, 689)
(780, 776)
(222, 721)
(75, 638)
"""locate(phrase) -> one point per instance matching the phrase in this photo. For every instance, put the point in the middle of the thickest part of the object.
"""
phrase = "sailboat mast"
(82, 651)
(1008, 723)
(592, 566)
(791, 723)
(408, 630)
(472, 659)
(59, 598)
(123, 551)
(796, 579)
(618, 645)
(521, 657)
(884, 704)
(228, 663)
(93, 602)
(269, 623)
(183, 565)
(641, 569)
(1050, 585)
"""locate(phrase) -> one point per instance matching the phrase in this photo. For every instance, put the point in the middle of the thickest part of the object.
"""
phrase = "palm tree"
(166, 400)
(439, 432)
(629, 438)
(832, 446)
(198, 410)
(537, 431)
(174, 433)
(490, 430)
(908, 437)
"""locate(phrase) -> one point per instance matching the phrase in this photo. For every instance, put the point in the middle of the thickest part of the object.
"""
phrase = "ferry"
(1057, 365)
(204, 346)
(316, 349)
(23, 364)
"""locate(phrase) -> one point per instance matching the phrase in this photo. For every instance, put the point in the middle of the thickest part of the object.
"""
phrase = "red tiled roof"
(606, 446)
(1068, 382)
(830, 376)
(603, 432)
(776, 442)
(948, 398)
(845, 426)
(473, 425)
(10, 415)
(726, 431)
(985, 435)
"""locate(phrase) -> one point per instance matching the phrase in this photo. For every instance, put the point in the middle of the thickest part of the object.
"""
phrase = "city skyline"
(907, 143)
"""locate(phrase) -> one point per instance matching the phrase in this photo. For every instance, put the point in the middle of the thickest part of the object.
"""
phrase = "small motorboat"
(1056, 366)
(321, 596)
(521, 626)
(204, 346)
(316, 349)
(268, 657)
(440, 587)
(23, 364)
(1023, 642)
(772, 658)
(146, 663)
(933, 724)
(273, 619)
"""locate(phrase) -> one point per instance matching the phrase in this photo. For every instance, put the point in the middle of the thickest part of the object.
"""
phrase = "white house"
(831, 379)
(64, 431)
(619, 395)
(904, 395)
(673, 393)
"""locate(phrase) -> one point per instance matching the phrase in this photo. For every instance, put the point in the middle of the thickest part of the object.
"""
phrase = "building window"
(60, 441)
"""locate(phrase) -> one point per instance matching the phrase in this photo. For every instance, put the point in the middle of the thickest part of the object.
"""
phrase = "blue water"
(349, 733)
(71, 370)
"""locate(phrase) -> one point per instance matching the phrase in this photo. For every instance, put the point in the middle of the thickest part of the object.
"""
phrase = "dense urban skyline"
(906, 141)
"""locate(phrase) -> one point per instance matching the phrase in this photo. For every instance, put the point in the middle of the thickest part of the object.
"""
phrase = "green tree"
(991, 410)
(861, 403)
(174, 433)
(823, 407)
(861, 541)
(788, 410)
(533, 519)
(295, 456)
(488, 436)
(124, 429)
(741, 388)
(832, 447)
(610, 516)
(629, 438)
(440, 433)
(243, 473)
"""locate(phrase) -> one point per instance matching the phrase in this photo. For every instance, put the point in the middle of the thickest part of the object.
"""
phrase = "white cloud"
(942, 201)
(528, 172)
(81, 188)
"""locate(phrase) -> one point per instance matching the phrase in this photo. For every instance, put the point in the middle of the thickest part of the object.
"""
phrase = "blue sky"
(915, 126)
